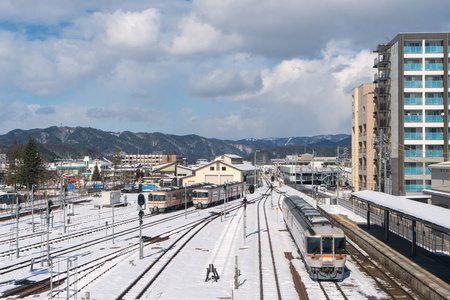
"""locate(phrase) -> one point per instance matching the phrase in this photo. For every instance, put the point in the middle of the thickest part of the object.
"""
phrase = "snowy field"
(220, 243)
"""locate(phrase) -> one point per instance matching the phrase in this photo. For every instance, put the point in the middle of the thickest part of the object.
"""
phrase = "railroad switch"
(213, 272)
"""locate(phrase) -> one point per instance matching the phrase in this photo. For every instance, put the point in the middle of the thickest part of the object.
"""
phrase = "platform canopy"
(433, 216)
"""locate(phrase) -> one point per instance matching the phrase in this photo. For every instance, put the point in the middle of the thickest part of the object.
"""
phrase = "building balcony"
(434, 101)
(433, 118)
(413, 67)
(413, 171)
(413, 49)
(434, 84)
(434, 49)
(434, 153)
(434, 67)
(413, 188)
(413, 153)
(413, 84)
(417, 118)
(413, 101)
(413, 135)
(434, 136)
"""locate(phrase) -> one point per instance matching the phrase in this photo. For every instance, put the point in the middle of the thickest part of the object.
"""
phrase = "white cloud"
(199, 37)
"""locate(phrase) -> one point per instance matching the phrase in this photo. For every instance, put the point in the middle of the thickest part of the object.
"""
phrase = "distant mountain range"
(75, 142)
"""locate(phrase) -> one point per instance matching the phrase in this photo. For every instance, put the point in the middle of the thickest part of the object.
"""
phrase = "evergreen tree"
(32, 165)
(96, 175)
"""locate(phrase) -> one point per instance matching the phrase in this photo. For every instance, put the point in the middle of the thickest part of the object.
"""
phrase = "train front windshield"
(199, 194)
(156, 198)
(339, 245)
(313, 245)
(327, 245)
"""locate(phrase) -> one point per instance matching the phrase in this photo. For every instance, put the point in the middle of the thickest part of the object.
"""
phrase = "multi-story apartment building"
(411, 106)
(156, 158)
(363, 138)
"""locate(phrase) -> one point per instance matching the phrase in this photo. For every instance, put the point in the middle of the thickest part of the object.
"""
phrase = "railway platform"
(426, 273)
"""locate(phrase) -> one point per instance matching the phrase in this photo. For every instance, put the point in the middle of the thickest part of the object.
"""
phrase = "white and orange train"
(162, 199)
(213, 194)
(321, 244)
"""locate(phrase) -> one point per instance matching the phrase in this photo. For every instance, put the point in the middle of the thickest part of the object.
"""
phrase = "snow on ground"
(219, 244)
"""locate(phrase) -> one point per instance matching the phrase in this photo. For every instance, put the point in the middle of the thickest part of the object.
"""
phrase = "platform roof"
(433, 216)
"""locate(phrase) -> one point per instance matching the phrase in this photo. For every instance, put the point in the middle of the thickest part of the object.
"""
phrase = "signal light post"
(141, 203)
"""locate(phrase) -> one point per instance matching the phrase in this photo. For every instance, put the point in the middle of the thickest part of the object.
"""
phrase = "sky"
(220, 69)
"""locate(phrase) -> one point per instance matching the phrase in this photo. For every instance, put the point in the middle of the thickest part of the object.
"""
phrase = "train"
(213, 194)
(321, 244)
(163, 199)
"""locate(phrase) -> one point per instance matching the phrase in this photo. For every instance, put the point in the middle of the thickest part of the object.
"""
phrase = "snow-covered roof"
(442, 165)
(427, 213)
(242, 167)
(436, 193)
(232, 156)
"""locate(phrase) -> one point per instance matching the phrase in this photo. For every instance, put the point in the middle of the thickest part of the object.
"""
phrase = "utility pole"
(338, 162)
(245, 218)
(185, 202)
(17, 225)
(312, 175)
(256, 176)
(295, 172)
(32, 206)
(380, 143)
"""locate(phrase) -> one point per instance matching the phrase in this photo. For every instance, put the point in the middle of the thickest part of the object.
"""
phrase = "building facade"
(411, 107)
(154, 159)
(364, 171)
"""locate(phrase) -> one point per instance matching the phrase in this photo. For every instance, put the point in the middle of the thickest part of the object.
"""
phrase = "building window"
(413, 47)
(434, 133)
(413, 81)
(434, 151)
(434, 47)
(433, 64)
(434, 98)
(413, 64)
(413, 133)
(434, 81)
(413, 115)
(224, 168)
(428, 184)
(413, 185)
(413, 98)
(211, 168)
(434, 116)
(413, 150)
(413, 168)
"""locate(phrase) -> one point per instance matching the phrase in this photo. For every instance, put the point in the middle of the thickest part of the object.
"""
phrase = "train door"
(327, 251)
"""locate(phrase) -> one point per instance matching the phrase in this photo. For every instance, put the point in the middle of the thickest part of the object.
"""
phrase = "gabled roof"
(164, 166)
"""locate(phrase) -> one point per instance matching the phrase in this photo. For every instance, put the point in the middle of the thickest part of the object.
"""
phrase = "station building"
(224, 168)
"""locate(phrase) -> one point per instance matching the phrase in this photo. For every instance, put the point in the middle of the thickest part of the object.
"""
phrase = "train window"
(339, 245)
(159, 198)
(327, 245)
(314, 245)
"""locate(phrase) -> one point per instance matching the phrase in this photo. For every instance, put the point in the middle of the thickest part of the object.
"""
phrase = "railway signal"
(251, 188)
(141, 202)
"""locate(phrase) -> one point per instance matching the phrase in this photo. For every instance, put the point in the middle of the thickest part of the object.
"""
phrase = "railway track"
(267, 273)
(66, 251)
(93, 270)
(379, 274)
